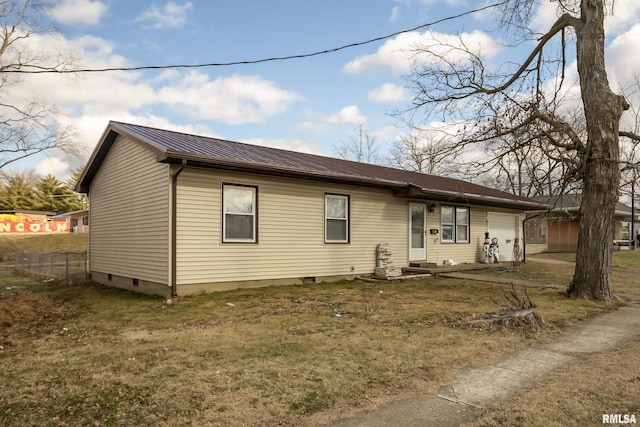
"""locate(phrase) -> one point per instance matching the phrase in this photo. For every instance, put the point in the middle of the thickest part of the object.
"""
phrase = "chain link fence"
(68, 266)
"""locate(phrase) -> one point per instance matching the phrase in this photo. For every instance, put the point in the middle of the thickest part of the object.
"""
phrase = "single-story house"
(174, 214)
(79, 221)
(557, 230)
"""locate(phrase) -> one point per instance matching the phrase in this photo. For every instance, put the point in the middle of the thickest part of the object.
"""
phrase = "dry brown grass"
(58, 242)
(623, 280)
(577, 395)
(271, 356)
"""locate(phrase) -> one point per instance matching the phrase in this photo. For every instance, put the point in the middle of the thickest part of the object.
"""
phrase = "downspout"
(174, 228)
(524, 239)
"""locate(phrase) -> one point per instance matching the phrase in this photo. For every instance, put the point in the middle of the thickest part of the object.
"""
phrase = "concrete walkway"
(502, 280)
(481, 386)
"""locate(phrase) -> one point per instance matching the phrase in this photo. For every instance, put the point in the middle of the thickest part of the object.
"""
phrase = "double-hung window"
(336, 213)
(454, 224)
(239, 213)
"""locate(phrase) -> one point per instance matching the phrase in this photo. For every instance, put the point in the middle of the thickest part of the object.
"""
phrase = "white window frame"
(464, 239)
(253, 214)
(454, 225)
(448, 224)
(346, 219)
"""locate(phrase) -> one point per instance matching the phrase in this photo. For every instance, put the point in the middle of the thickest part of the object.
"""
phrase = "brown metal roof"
(572, 203)
(174, 147)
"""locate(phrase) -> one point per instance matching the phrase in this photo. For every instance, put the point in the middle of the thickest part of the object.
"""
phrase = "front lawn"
(288, 356)
(623, 258)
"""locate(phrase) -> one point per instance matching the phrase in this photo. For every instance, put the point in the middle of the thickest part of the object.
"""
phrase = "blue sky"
(308, 105)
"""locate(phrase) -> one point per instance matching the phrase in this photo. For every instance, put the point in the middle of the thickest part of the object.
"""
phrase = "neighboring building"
(557, 230)
(79, 221)
(28, 221)
(173, 213)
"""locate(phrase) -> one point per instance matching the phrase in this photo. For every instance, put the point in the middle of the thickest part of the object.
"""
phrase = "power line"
(256, 61)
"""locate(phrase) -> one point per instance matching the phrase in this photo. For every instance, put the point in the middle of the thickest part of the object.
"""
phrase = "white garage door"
(506, 227)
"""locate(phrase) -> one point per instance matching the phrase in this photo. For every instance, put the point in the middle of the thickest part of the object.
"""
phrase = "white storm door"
(417, 229)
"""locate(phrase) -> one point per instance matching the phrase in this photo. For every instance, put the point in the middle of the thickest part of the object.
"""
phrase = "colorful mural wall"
(28, 223)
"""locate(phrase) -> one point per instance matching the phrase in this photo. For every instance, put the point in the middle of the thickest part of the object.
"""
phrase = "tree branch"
(630, 135)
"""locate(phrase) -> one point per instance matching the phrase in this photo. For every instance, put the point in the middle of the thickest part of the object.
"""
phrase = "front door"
(417, 229)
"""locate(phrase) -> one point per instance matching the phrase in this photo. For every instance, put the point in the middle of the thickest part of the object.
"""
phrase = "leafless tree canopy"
(426, 151)
(361, 147)
(518, 113)
(28, 125)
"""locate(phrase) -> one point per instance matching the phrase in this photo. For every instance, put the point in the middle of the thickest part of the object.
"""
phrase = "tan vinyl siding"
(290, 230)
(438, 252)
(130, 214)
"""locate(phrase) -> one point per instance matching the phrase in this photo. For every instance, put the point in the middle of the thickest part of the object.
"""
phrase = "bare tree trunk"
(601, 175)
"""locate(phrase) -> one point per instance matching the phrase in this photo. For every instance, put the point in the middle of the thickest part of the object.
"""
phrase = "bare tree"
(360, 147)
(28, 126)
(467, 91)
(525, 162)
(424, 151)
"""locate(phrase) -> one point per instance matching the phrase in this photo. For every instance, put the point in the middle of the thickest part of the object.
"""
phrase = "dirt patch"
(29, 310)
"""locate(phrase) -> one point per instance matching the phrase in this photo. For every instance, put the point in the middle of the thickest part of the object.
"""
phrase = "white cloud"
(389, 92)
(399, 53)
(171, 15)
(544, 17)
(312, 126)
(89, 101)
(233, 100)
(55, 166)
(623, 68)
(92, 93)
(349, 114)
(70, 12)
(167, 75)
(386, 133)
(395, 12)
(625, 12)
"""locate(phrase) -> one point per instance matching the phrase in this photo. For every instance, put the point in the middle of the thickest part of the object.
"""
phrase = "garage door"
(505, 227)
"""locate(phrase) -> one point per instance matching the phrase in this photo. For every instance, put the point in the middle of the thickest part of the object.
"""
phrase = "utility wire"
(257, 61)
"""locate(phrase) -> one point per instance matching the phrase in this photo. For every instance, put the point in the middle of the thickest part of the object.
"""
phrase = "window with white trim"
(336, 214)
(239, 213)
(454, 224)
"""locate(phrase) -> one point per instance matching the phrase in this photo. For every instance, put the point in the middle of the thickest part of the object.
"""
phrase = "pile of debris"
(521, 315)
